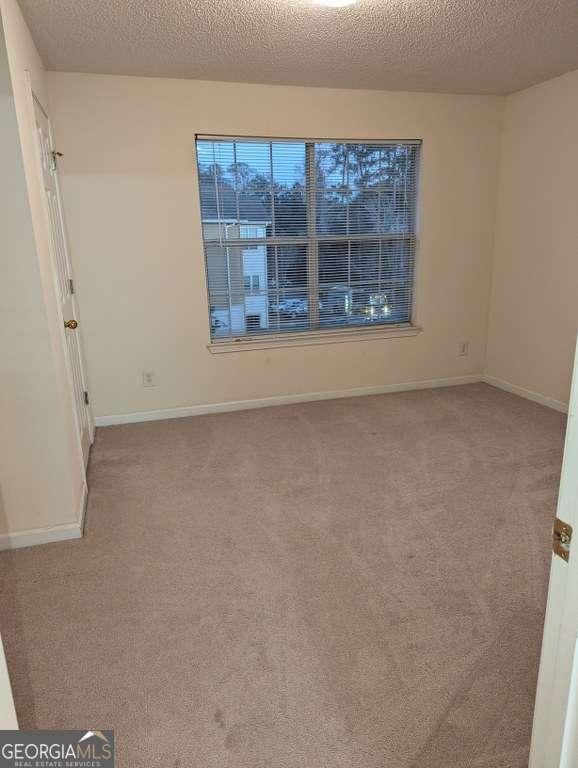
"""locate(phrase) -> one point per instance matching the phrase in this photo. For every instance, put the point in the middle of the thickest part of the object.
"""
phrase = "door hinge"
(561, 539)
(86, 400)
(55, 155)
(71, 285)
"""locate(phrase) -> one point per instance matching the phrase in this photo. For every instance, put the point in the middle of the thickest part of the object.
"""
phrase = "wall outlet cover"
(149, 379)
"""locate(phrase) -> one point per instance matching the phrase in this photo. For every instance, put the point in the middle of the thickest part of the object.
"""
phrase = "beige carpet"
(345, 584)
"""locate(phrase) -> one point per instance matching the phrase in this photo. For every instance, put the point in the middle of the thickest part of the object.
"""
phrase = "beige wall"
(40, 474)
(133, 217)
(534, 312)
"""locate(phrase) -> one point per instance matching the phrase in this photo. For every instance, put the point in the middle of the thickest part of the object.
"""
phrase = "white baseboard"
(536, 397)
(48, 535)
(266, 402)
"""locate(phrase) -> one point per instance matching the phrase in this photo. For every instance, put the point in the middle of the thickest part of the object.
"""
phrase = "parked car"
(291, 307)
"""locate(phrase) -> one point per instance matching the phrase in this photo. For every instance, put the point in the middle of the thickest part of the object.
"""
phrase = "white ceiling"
(462, 46)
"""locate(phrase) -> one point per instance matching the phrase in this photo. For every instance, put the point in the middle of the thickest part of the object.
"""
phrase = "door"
(555, 732)
(8, 721)
(64, 280)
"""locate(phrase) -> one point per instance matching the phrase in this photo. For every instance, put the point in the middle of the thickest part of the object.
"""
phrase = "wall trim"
(266, 402)
(528, 394)
(48, 535)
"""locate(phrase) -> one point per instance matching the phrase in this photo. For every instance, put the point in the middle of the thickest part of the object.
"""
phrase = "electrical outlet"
(463, 348)
(149, 379)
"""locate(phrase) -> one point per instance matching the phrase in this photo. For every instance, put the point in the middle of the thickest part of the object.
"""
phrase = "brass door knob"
(72, 324)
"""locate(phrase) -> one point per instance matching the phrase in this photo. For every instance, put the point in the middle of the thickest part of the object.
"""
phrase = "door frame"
(34, 100)
(555, 728)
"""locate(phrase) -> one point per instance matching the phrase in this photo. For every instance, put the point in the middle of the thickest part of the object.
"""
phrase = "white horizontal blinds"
(366, 198)
(306, 235)
(254, 218)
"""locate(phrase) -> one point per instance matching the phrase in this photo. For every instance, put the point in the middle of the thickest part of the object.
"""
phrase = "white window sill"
(308, 338)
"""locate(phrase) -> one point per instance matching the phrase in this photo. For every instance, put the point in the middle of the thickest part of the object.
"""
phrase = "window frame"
(311, 240)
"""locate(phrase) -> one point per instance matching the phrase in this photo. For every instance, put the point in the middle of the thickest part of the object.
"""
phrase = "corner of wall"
(493, 255)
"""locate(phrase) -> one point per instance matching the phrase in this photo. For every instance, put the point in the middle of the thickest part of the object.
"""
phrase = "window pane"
(238, 304)
(242, 183)
(334, 262)
(288, 167)
(288, 287)
(250, 282)
(364, 188)
(365, 283)
(289, 311)
(365, 258)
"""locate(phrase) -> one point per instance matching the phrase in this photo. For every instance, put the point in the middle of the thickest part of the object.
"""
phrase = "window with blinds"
(307, 235)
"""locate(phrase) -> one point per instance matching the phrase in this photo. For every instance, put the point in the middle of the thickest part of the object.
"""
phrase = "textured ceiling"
(463, 46)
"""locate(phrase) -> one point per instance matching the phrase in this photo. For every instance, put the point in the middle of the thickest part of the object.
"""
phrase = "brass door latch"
(561, 539)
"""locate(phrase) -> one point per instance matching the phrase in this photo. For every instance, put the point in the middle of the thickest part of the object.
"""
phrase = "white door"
(64, 281)
(8, 721)
(555, 732)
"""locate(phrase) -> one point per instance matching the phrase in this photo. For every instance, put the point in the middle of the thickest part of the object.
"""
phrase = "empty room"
(288, 455)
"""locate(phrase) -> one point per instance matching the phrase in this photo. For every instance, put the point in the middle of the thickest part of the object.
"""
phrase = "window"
(307, 235)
